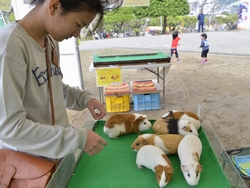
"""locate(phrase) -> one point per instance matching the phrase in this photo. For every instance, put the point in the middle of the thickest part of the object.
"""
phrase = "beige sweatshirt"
(25, 115)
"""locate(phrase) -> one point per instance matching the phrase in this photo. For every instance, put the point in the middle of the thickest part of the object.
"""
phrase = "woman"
(26, 105)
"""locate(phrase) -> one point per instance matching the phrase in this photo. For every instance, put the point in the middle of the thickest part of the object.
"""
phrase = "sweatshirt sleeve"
(41, 139)
(75, 98)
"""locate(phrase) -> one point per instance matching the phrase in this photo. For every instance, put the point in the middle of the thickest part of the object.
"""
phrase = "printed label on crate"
(108, 76)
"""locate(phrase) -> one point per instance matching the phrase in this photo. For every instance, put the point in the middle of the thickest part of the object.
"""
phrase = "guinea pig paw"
(140, 167)
(115, 137)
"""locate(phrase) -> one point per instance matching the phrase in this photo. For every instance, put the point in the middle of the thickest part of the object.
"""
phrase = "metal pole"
(79, 67)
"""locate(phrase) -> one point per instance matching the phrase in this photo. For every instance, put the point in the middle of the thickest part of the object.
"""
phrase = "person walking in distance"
(175, 42)
(200, 19)
(205, 48)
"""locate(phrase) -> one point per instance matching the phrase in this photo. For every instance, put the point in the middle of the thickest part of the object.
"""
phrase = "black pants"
(204, 53)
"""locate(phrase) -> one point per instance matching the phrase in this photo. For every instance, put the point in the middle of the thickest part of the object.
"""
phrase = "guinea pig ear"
(187, 129)
(159, 168)
(170, 114)
(199, 168)
(184, 128)
(184, 168)
(170, 170)
(139, 119)
(145, 142)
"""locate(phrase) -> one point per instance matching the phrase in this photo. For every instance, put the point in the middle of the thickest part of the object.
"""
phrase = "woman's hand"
(94, 143)
(96, 109)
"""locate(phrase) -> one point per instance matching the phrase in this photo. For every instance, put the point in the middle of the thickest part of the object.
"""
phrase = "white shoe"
(180, 60)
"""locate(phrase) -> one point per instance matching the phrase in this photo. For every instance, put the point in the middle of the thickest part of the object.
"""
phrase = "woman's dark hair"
(98, 6)
(175, 34)
(204, 35)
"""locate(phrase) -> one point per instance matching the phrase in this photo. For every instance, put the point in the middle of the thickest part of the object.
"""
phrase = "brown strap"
(8, 173)
(49, 81)
(49, 78)
(54, 54)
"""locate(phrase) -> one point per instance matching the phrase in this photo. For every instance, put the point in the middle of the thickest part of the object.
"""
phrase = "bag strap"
(49, 76)
(54, 59)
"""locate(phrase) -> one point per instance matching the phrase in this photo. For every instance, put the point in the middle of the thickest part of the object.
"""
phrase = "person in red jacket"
(175, 42)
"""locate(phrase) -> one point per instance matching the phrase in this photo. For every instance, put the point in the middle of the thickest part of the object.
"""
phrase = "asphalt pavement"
(236, 42)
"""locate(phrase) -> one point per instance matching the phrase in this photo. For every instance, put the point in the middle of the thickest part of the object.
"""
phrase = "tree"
(190, 21)
(230, 20)
(163, 8)
(119, 17)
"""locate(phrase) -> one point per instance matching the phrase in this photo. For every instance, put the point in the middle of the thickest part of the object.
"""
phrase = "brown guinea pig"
(169, 125)
(167, 142)
(121, 124)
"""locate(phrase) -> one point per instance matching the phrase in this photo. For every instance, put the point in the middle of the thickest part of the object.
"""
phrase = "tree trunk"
(145, 25)
(164, 24)
(203, 5)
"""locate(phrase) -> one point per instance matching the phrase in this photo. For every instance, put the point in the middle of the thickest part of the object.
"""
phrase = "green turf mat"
(115, 167)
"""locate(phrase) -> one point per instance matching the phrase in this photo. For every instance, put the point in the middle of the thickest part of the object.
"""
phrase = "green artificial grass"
(115, 167)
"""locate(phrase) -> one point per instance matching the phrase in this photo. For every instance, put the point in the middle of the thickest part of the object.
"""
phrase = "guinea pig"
(189, 151)
(190, 116)
(168, 143)
(121, 124)
(155, 159)
(170, 125)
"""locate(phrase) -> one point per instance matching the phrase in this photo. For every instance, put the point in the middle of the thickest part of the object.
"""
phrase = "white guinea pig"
(190, 116)
(121, 124)
(168, 143)
(155, 159)
(189, 151)
(170, 125)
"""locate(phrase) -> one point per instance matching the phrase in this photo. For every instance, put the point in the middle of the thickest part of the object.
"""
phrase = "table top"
(130, 59)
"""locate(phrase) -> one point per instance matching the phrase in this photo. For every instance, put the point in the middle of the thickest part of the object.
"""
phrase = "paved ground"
(232, 42)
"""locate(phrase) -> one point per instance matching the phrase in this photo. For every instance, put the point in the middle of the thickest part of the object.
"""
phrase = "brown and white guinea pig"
(189, 151)
(155, 159)
(168, 143)
(121, 124)
(190, 116)
(170, 125)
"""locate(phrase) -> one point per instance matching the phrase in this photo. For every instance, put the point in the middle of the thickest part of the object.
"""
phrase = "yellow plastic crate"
(117, 103)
